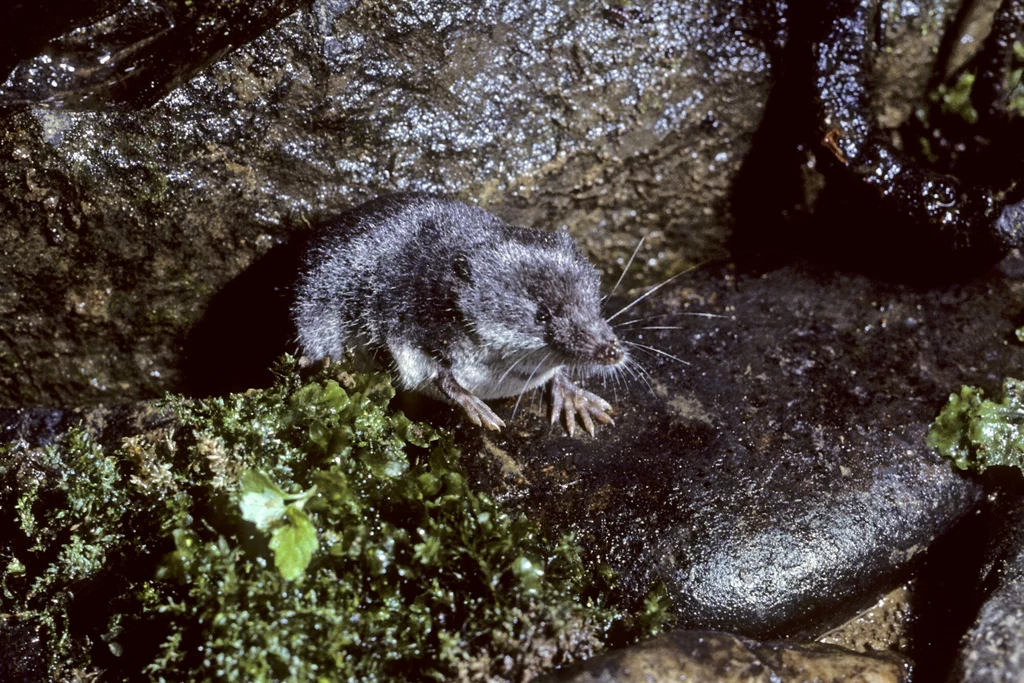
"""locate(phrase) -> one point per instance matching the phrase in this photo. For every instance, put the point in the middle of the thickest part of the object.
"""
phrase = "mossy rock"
(302, 532)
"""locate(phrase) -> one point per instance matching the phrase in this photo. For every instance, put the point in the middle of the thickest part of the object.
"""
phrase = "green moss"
(1014, 84)
(304, 532)
(978, 433)
(956, 99)
(79, 516)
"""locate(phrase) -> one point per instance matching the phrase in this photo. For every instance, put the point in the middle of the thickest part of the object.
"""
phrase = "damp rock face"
(137, 178)
(102, 53)
(993, 648)
(119, 226)
(780, 480)
(710, 656)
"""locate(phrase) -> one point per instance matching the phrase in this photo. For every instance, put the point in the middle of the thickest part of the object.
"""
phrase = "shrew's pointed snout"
(609, 353)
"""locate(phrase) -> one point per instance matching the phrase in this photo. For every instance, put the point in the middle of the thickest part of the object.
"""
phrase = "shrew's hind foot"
(569, 399)
(478, 412)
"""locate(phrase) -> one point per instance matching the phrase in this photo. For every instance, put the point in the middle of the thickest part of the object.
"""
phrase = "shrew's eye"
(543, 317)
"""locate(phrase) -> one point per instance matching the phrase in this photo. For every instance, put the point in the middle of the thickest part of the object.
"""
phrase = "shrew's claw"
(478, 412)
(573, 402)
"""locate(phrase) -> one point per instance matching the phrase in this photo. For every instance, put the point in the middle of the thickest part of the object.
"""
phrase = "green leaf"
(334, 397)
(429, 551)
(530, 573)
(384, 462)
(429, 484)
(262, 502)
(15, 567)
(655, 612)
(293, 544)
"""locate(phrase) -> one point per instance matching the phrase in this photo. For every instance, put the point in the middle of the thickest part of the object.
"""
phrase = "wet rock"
(780, 480)
(119, 226)
(106, 53)
(37, 426)
(612, 121)
(882, 626)
(915, 35)
(993, 649)
(721, 657)
(949, 219)
(42, 426)
(838, 142)
(23, 643)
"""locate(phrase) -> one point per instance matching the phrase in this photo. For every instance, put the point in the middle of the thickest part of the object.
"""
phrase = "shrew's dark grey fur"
(461, 305)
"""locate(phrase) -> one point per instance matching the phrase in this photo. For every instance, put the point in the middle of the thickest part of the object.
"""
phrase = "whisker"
(664, 327)
(518, 361)
(627, 367)
(625, 270)
(665, 315)
(610, 377)
(621, 380)
(651, 349)
(528, 379)
(651, 291)
(616, 376)
(641, 373)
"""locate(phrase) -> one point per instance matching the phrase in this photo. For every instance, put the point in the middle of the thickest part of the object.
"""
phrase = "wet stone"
(110, 53)
(710, 656)
(779, 481)
(119, 225)
(993, 649)
(122, 221)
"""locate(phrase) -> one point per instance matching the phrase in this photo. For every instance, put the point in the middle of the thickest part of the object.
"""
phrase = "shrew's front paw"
(569, 399)
(478, 412)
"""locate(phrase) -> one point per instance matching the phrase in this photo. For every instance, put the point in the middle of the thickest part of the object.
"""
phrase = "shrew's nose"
(609, 353)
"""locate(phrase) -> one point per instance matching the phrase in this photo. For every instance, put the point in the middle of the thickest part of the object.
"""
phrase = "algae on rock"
(978, 433)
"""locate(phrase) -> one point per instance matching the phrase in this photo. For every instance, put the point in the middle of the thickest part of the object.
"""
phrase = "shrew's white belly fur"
(510, 386)
(416, 371)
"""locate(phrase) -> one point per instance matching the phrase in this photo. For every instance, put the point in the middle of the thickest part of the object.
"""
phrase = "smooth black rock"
(993, 649)
(781, 479)
(103, 54)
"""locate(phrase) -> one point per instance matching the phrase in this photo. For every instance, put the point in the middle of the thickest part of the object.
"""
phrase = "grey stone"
(780, 480)
(993, 649)
(108, 53)
(119, 226)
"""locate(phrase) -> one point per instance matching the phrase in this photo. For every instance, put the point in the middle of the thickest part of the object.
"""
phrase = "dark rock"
(944, 184)
(24, 644)
(724, 658)
(42, 426)
(106, 53)
(781, 480)
(37, 426)
(993, 649)
(119, 227)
